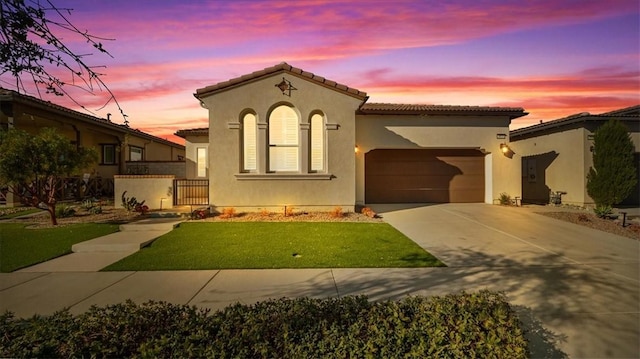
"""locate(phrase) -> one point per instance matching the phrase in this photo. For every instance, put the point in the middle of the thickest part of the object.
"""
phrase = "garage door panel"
(437, 176)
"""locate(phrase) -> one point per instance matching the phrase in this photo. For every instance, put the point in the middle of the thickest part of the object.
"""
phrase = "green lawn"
(21, 247)
(13, 212)
(278, 245)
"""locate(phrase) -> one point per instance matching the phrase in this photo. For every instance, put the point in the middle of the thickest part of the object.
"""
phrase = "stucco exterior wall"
(192, 143)
(272, 191)
(562, 158)
(441, 132)
(155, 190)
(554, 162)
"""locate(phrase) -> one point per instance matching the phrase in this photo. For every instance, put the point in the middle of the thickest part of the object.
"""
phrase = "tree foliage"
(31, 46)
(32, 166)
(613, 175)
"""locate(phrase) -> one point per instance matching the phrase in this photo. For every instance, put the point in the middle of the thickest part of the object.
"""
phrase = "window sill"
(283, 176)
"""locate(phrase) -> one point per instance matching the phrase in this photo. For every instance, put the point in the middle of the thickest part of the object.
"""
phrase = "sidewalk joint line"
(333, 277)
(203, 286)
(42, 274)
(101, 290)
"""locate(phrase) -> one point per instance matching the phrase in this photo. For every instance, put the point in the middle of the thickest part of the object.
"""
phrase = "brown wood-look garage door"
(424, 176)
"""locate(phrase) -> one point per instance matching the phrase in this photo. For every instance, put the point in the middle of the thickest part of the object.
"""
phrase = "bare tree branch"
(30, 45)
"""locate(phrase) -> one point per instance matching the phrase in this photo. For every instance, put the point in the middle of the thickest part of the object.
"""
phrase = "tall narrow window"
(249, 154)
(109, 155)
(283, 140)
(201, 161)
(317, 143)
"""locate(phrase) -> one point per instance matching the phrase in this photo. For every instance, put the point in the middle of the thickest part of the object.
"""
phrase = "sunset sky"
(554, 58)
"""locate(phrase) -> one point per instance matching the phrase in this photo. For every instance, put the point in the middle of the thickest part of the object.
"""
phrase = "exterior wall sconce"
(286, 87)
(501, 136)
(506, 150)
(357, 149)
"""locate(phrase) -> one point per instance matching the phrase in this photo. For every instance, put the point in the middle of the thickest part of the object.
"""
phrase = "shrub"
(455, 326)
(368, 212)
(228, 212)
(336, 212)
(64, 211)
(96, 210)
(505, 199)
(131, 203)
(614, 174)
(88, 204)
(602, 211)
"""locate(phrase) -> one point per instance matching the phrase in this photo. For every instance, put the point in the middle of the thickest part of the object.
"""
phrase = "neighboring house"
(556, 155)
(122, 150)
(286, 137)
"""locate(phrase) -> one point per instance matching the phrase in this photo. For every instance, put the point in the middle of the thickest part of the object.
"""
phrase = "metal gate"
(190, 192)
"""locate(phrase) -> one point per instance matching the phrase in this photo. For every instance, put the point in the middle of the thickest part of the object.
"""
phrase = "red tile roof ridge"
(281, 67)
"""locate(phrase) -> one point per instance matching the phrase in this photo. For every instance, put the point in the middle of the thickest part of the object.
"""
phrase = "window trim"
(323, 141)
(103, 149)
(243, 150)
(271, 145)
(131, 147)
(206, 167)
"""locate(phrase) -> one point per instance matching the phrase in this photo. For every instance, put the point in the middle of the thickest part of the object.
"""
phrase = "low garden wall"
(155, 190)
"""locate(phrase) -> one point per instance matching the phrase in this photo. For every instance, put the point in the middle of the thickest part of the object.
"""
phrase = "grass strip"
(21, 247)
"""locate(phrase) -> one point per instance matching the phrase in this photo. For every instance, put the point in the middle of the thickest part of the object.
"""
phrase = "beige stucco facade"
(556, 156)
(351, 130)
(263, 189)
(441, 132)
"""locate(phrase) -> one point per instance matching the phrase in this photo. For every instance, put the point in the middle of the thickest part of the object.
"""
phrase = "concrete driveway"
(576, 288)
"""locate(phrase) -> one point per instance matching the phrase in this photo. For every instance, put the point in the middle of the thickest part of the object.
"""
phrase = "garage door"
(424, 176)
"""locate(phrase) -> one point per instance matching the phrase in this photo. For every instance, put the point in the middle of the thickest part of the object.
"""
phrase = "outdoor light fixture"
(501, 136)
(506, 150)
(286, 87)
(357, 149)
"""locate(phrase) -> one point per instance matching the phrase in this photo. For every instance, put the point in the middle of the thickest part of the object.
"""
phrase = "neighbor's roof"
(13, 96)
(416, 109)
(628, 113)
(283, 67)
(204, 131)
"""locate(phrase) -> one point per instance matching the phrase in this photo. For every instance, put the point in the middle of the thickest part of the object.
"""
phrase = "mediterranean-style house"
(122, 149)
(556, 155)
(286, 137)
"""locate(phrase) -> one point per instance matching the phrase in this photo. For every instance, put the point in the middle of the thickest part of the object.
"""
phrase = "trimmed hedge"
(465, 325)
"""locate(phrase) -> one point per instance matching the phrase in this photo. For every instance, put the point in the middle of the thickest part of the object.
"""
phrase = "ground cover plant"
(225, 245)
(464, 325)
(21, 247)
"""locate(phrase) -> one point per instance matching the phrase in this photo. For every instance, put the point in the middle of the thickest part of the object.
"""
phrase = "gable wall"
(230, 188)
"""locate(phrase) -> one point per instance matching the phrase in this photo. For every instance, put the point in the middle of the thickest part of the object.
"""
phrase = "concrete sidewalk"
(95, 254)
(576, 289)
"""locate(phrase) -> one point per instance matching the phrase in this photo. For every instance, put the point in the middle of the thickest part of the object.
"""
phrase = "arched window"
(283, 140)
(317, 143)
(249, 139)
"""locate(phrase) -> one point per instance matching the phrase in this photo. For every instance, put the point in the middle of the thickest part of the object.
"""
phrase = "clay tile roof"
(280, 68)
(204, 131)
(417, 109)
(14, 96)
(628, 114)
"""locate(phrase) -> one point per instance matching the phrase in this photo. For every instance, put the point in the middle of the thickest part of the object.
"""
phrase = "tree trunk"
(51, 208)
